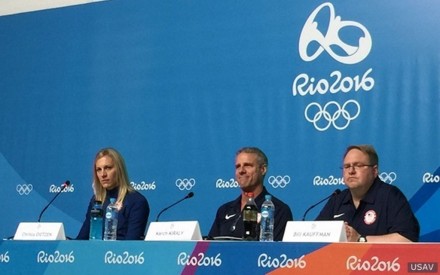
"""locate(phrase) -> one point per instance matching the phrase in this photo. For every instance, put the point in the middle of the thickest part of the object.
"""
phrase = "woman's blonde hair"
(121, 176)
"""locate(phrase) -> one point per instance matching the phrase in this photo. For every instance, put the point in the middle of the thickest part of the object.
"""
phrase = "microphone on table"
(63, 186)
(336, 192)
(190, 195)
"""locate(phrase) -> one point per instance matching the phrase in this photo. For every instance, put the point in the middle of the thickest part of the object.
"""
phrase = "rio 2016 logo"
(339, 115)
(310, 33)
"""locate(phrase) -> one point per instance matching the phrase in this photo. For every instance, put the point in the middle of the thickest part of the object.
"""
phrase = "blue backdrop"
(178, 87)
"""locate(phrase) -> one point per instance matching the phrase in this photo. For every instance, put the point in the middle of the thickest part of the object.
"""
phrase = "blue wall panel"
(178, 87)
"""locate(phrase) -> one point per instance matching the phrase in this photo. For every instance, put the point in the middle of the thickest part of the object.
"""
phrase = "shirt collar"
(258, 200)
(113, 193)
(370, 196)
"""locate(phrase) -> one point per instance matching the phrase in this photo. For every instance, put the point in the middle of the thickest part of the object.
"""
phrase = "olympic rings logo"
(388, 177)
(24, 189)
(340, 119)
(279, 181)
(185, 184)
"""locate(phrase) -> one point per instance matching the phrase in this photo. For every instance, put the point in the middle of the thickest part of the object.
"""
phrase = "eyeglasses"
(356, 166)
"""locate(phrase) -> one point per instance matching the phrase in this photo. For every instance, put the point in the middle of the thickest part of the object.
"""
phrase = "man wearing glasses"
(373, 210)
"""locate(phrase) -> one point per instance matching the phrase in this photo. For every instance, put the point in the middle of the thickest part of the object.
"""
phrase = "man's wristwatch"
(362, 239)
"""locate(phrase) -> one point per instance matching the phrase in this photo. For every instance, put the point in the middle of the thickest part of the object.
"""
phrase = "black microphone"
(63, 186)
(336, 192)
(190, 195)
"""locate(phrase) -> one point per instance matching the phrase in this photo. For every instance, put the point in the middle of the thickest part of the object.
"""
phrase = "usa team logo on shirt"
(370, 217)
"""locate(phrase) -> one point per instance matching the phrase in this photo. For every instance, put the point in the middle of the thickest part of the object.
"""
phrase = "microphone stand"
(62, 188)
(166, 208)
(337, 191)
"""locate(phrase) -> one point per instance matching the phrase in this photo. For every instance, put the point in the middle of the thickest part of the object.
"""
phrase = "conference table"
(215, 257)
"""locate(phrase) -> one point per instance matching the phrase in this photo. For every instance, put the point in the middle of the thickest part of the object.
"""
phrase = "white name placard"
(40, 231)
(174, 231)
(315, 231)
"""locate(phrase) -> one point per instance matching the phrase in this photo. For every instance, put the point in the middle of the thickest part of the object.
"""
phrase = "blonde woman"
(110, 180)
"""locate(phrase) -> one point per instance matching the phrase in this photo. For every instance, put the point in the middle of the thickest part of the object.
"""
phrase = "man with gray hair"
(250, 168)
